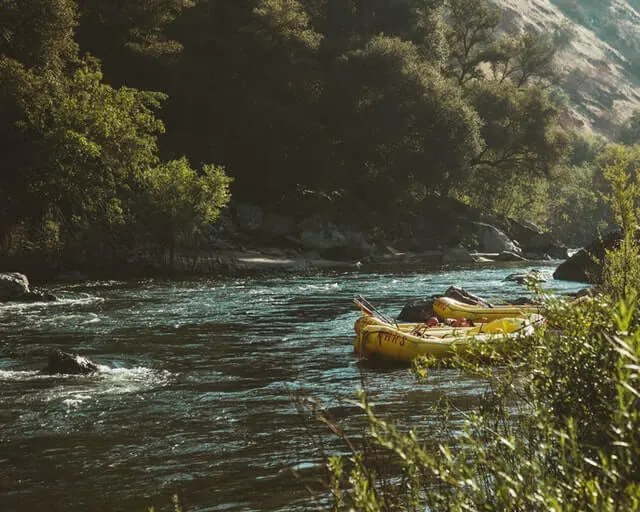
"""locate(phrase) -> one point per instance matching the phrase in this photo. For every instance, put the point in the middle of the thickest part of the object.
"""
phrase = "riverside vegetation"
(557, 428)
(128, 126)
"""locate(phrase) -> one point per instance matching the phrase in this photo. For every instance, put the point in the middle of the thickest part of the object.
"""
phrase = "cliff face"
(598, 57)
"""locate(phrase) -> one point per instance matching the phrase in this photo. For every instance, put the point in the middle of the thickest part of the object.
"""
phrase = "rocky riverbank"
(249, 239)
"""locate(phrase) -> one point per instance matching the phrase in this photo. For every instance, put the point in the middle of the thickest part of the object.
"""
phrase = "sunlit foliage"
(76, 149)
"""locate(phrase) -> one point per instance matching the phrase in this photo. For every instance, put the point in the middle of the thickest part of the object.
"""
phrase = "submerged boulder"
(70, 364)
(531, 276)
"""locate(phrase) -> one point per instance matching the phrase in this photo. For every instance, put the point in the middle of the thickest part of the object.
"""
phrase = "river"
(194, 392)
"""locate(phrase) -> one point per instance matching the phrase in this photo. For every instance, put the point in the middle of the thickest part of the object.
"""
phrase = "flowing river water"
(194, 391)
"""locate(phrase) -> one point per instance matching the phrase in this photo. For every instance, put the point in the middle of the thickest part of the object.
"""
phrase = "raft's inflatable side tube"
(365, 321)
(387, 342)
(446, 307)
(509, 325)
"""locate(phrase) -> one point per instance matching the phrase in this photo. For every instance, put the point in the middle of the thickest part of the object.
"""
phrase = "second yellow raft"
(446, 307)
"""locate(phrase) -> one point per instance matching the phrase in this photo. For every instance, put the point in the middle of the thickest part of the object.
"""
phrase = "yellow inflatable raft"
(446, 307)
(366, 320)
(385, 340)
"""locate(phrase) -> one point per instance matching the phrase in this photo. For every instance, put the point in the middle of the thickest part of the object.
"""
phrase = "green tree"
(584, 147)
(79, 146)
(524, 58)
(36, 38)
(578, 209)
(574, 206)
(401, 128)
(523, 146)
(259, 116)
(503, 75)
(511, 194)
(472, 34)
(520, 128)
(622, 265)
(77, 149)
(38, 33)
(137, 25)
(612, 155)
(349, 24)
(178, 202)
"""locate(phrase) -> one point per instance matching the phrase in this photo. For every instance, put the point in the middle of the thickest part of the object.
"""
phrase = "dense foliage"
(80, 157)
(385, 103)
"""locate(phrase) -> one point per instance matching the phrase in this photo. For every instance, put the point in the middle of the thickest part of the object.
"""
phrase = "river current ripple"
(194, 392)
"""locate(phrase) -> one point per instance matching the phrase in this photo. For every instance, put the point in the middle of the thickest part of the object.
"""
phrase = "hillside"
(599, 57)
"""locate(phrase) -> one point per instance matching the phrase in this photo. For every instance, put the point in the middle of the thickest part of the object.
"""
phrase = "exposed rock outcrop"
(457, 254)
(462, 295)
(492, 240)
(545, 243)
(441, 231)
(509, 256)
(534, 242)
(15, 287)
(585, 266)
(12, 286)
(418, 310)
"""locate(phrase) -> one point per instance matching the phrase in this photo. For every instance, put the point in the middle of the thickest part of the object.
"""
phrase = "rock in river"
(66, 363)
